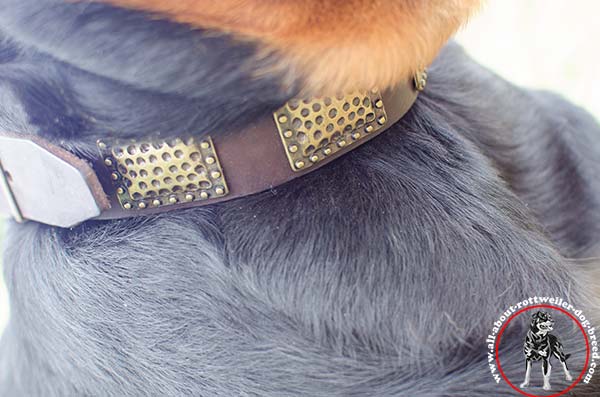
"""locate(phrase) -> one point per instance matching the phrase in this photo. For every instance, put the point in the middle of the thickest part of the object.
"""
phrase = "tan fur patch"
(335, 45)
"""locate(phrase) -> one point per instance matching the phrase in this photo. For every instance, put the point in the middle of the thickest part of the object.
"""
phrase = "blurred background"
(541, 44)
(534, 43)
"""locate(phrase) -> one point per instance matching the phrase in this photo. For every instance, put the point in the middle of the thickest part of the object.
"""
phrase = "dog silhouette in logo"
(540, 344)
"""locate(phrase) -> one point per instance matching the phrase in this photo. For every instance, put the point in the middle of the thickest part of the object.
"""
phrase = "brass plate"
(314, 129)
(157, 174)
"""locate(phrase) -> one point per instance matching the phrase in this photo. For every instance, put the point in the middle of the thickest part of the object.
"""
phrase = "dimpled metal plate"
(157, 174)
(314, 129)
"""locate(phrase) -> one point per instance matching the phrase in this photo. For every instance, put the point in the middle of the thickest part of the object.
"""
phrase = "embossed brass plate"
(314, 129)
(156, 174)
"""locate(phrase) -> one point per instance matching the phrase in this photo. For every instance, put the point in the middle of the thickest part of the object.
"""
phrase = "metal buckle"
(9, 196)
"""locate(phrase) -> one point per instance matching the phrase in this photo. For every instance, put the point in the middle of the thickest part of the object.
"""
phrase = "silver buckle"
(9, 196)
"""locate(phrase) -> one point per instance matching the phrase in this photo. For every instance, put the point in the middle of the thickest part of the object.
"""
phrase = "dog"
(542, 345)
(379, 274)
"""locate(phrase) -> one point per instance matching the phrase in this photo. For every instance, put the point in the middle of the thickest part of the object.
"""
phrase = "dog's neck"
(183, 81)
(147, 177)
(223, 98)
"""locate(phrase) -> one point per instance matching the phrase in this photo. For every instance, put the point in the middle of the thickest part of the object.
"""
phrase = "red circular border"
(587, 351)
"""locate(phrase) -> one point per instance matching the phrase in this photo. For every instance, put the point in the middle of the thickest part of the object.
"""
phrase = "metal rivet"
(203, 195)
(102, 145)
(314, 158)
(114, 176)
(288, 134)
(219, 190)
(420, 80)
(210, 160)
(356, 135)
(283, 118)
(108, 162)
(369, 128)
(293, 148)
(215, 174)
(120, 190)
(341, 143)
(189, 197)
(204, 145)
(299, 164)
(172, 199)
(142, 205)
(381, 120)
(127, 206)
(327, 151)
(156, 203)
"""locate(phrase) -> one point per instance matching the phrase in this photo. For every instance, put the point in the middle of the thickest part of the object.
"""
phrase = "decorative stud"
(172, 200)
(101, 145)
(300, 164)
(210, 160)
(293, 148)
(114, 176)
(215, 174)
(205, 145)
(356, 136)
(203, 195)
(189, 197)
(156, 203)
(420, 79)
(120, 190)
(381, 120)
(369, 129)
(314, 158)
(283, 119)
(327, 151)
(142, 205)
(379, 104)
(341, 143)
(127, 206)
(108, 162)
(219, 190)
(288, 134)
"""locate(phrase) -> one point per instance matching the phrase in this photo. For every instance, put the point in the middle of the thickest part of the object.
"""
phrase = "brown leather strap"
(48, 184)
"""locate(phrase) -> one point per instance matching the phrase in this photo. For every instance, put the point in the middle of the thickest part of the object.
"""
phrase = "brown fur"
(335, 45)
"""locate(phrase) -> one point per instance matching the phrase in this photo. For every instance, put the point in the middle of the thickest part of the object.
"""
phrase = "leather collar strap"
(45, 183)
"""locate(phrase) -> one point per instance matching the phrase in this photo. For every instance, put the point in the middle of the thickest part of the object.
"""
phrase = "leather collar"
(45, 183)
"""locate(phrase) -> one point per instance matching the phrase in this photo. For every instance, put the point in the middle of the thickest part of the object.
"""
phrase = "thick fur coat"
(380, 274)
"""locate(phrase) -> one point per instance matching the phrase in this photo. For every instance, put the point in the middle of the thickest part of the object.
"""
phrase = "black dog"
(379, 274)
(542, 345)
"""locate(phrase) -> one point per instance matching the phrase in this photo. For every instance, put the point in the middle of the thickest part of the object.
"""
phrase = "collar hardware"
(46, 183)
(157, 174)
(8, 196)
(314, 129)
(420, 80)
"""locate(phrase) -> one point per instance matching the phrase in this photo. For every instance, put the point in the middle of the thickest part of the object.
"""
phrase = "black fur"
(380, 274)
